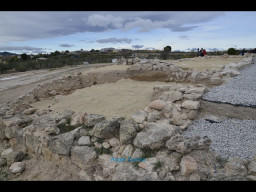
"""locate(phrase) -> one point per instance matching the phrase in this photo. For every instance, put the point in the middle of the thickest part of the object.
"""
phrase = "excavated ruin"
(155, 143)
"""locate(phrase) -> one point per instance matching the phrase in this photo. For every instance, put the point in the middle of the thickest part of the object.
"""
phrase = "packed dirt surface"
(14, 85)
(204, 63)
(123, 98)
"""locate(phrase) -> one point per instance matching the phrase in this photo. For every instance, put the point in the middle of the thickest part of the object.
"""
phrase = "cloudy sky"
(47, 31)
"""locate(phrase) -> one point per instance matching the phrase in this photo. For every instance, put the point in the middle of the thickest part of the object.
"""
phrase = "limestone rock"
(78, 119)
(139, 116)
(235, 166)
(105, 145)
(93, 119)
(155, 136)
(30, 111)
(157, 104)
(187, 144)
(191, 104)
(61, 144)
(127, 131)
(188, 165)
(127, 152)
(83, 156)
(126, 172)
(17, 167)
(84, 140)
(149, 164)
(106, 129)
(114, 142)
(252, 168)
(67, 114)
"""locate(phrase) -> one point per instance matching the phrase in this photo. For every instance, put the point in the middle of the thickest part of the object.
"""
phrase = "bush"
(231, 51)
(21, 67)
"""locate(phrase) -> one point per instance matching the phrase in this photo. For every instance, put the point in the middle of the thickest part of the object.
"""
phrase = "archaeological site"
(191, 119)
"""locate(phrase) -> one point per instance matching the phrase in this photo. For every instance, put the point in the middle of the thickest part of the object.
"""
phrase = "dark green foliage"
(21, 67)
(136, 164)
(24, 56)
(231, 51)
(168, 48)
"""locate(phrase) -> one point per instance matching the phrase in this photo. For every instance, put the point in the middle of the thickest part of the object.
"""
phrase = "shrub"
(21, 67)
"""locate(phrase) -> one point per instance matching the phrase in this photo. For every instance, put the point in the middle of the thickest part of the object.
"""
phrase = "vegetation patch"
(102, 150)
(158, 165)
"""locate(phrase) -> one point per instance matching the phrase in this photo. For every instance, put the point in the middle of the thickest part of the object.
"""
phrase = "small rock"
(17, 167)
(105, 145)
(84, 140)
(157, 104)
(190, 104)
(30, 111)
(114, 142)
(188, 165)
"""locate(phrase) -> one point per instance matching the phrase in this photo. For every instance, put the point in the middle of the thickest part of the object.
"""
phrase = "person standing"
(204, 52)
(198, 52)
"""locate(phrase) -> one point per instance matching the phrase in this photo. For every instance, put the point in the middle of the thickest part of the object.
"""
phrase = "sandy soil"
(204, 63)
(123, 98)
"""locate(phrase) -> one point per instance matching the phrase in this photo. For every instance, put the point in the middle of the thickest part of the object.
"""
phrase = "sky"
(35, 32)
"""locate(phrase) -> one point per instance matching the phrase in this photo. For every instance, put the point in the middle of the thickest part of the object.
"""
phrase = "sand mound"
(122, 98)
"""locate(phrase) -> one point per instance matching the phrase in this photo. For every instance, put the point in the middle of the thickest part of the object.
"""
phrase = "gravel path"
(230, 137)
(240, 90)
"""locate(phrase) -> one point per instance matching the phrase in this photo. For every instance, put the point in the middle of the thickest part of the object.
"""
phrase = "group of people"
(201, 52)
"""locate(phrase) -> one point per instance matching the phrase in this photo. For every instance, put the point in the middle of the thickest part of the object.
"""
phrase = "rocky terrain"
(164, 141)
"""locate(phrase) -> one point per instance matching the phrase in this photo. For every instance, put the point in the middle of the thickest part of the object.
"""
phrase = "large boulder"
(187, 144)
(155, 135)
(106, 129)
(61, 144)
(83, 156)
(93, 119)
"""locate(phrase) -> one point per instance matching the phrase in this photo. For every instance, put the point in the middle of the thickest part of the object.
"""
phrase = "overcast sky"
(43, 31)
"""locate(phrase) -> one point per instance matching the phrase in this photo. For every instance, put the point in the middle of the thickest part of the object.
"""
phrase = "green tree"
(231, 51)
(168, 48)
(166, 52)
(24, 56)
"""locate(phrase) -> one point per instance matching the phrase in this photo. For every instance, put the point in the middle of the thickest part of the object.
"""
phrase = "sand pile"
(122, 98)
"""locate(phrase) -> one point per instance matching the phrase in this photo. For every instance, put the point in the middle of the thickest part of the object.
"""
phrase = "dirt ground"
(123, 98)
(14, 85)
(204, 63)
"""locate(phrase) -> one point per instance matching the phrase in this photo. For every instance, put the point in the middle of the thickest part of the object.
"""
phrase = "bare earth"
(123, 98)
(204, 63)
(14, 85)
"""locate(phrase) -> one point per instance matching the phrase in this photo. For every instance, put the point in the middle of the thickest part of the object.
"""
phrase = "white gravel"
(240, 90)
(230, 137)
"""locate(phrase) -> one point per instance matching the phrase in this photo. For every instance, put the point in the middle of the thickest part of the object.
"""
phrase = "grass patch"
(221, 162)
(37, 98)
(102, 150)
(158, 165)
(147, 152)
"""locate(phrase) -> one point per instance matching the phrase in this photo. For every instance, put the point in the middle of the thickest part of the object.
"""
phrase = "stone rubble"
(108, 149)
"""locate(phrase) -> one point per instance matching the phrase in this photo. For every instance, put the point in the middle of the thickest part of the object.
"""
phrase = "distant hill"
(7, 53)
